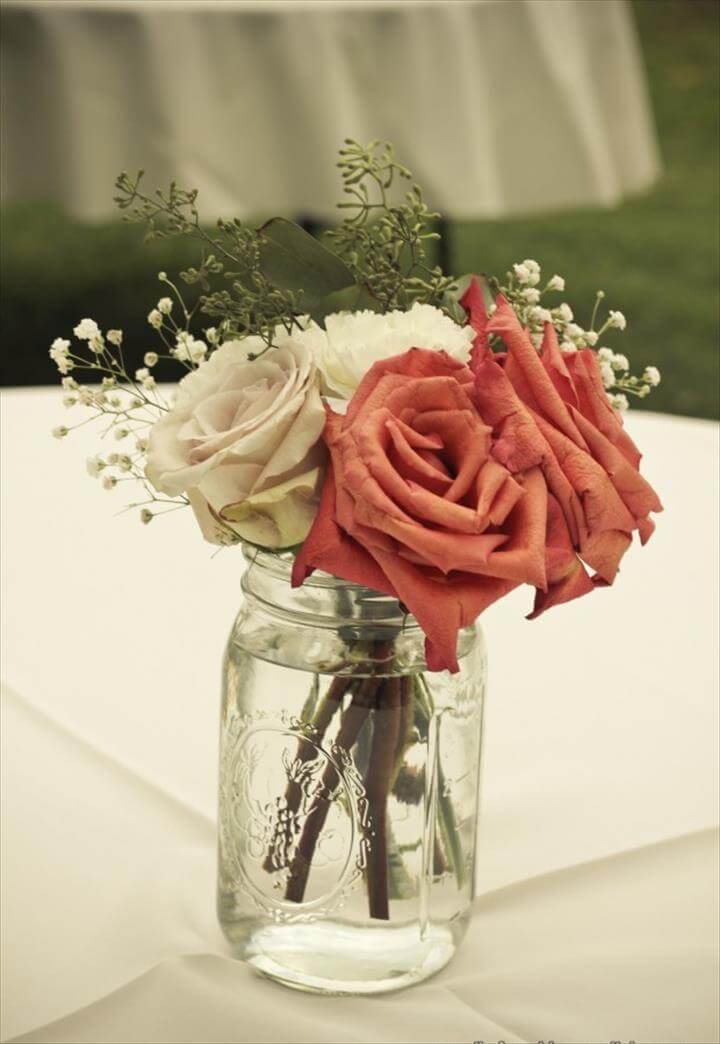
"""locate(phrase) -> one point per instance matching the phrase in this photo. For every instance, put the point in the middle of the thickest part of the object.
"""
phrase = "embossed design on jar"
(263, 811)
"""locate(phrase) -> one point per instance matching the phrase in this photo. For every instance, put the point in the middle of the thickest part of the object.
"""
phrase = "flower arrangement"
(352, 409)
(442, 441)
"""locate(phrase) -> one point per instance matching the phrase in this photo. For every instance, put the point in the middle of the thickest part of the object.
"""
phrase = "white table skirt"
(498, 106)
(596, 916)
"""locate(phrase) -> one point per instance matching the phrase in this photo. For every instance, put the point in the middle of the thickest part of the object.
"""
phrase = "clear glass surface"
(348, 787)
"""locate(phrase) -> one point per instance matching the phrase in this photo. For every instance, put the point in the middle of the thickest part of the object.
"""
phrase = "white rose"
(243, 441)
(352, 341)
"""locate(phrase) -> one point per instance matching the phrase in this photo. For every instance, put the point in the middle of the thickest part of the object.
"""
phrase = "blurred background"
(581, 133)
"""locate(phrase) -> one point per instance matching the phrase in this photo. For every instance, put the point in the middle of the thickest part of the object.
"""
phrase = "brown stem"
(307, 748)
(386, 732)
(351, 722)
(440, 865)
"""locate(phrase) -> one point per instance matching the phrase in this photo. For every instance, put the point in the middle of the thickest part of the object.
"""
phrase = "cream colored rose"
(243, 441)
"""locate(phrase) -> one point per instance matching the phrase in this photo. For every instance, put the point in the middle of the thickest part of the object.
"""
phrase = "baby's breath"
(522, 288)
(128, 404)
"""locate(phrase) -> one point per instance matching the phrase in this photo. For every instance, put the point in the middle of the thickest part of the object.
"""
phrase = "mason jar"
(349, 776)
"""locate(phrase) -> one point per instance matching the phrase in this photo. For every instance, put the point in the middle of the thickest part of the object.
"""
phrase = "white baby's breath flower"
(142, 373)
(165, 305)
(619, 402)
(141, 445)
(617, 319)
(155, 319)
(60, 432)
(644, 391)
(564, 313)
(146, 516)
(556, 283)
(162, 276)
(113, 458)
(652, 376)
(151, 358)
(352, 341)
(575, 332)
(86, 329)
(59, 350)
(69, 400)
(109, 482)
(121, 433)
(607, 374)
(86, 395)
(197, 350)
(182, 345)
(620, 363)
(149, 383)
(568, 346)
(94, 466)
(70, 384)
(591, 336)
(528, 272)
(541, 315)
(605, 354)
(531, 295)
(109, 382)
(124, 463)
(115, 337)
(212, 335)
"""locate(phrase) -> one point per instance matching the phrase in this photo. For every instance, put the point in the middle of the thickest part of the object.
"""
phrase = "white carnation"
(352, 341)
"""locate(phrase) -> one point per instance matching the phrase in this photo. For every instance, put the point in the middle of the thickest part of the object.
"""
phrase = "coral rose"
(550, 410)
(418, 505)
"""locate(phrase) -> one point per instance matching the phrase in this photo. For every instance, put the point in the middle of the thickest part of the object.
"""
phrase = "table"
(596, 911)
(498, 106)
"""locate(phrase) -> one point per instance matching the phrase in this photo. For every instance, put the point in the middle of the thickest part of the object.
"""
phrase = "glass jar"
(348, 786)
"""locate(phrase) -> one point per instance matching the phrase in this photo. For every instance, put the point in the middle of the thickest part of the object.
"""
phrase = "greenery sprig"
(383, 242)
(277, 273)
(250, 303)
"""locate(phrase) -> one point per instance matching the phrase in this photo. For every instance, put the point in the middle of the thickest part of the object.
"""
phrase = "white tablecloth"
(596, 916)
(498, 106)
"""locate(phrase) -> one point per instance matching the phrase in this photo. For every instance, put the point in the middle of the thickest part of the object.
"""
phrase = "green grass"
(655, 256)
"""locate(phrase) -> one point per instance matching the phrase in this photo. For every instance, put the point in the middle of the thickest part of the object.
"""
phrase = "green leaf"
(292, 259)
(350, 299)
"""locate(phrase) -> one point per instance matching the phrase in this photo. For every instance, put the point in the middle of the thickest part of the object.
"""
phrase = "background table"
(498, 106)
(596, 916)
